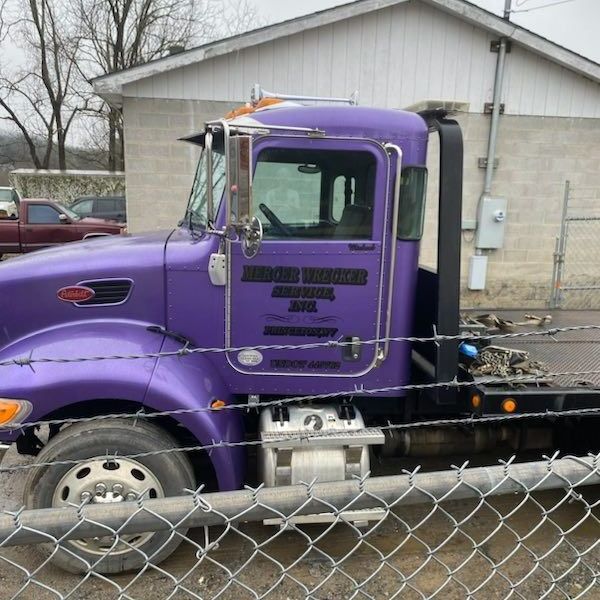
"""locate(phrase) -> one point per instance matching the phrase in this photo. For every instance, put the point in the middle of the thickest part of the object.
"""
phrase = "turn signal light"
(216, 404)
(509, 405)
(475, 400)
(13, 412)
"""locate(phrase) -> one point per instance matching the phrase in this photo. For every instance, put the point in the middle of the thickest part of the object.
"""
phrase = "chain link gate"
(576, 273)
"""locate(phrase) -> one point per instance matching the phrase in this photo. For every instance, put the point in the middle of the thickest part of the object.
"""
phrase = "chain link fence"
(576, 276)
(513, 530)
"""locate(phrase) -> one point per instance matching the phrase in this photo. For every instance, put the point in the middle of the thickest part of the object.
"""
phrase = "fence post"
(559, 252)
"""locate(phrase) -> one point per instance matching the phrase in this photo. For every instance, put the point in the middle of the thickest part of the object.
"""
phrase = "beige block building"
(398, 54)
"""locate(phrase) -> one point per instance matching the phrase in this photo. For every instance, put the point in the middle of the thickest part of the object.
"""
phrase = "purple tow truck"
(302, 229)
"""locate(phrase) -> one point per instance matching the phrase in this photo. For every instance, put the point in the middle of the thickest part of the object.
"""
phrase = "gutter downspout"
(478, 262)
(491, 153)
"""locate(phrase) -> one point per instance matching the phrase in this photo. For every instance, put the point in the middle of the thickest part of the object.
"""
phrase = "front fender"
(54, 385)
(191, 382)
(164, 384)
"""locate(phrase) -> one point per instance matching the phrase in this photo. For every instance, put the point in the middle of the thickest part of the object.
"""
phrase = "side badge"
(250, 358)
(75, 293)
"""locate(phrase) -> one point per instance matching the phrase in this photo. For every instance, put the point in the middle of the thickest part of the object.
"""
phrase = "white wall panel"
(395, 57)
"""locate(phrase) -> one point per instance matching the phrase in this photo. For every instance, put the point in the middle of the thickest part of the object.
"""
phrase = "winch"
(303, 443)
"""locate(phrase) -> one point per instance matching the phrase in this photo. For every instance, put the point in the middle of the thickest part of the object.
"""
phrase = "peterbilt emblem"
(75, 293)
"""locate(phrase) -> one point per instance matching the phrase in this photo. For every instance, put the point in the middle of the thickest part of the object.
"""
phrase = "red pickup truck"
(41, 223)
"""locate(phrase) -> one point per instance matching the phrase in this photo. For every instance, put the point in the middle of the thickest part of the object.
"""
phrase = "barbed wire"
(535, 379)
(355, 391)
(188, 349)
(471, 420)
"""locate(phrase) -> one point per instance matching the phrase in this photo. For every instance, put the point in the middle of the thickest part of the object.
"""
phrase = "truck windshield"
(197, 209)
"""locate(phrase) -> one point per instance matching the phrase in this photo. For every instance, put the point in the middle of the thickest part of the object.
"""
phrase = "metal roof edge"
(110, 86)
(528, 39)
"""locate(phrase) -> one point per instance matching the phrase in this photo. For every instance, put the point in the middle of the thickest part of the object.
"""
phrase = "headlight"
(13, 412)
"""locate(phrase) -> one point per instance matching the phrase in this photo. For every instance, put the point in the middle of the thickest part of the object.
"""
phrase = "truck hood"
(29, 283)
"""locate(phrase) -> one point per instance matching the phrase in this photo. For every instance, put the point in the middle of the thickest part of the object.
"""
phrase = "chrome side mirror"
(240, 178)
(240, 220)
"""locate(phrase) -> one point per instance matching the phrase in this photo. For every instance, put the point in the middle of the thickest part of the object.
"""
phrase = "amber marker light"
(217, 404)
(475, 400)
(509, 405)
(13, 412)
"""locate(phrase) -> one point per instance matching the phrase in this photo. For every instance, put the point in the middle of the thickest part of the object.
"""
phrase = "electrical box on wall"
(491, 219)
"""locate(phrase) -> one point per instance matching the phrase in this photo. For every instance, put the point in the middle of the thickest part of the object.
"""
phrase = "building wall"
(536, 156)
(394, 57)
(159, 169)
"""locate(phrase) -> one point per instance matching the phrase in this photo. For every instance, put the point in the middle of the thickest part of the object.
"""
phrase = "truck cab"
(284, 302)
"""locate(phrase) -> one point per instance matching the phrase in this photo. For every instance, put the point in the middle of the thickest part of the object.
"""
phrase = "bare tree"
(67, 44)
(119, 34)
(238, 16)
(43, 97)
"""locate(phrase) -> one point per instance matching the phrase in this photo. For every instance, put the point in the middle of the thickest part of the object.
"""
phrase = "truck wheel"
(95, 480)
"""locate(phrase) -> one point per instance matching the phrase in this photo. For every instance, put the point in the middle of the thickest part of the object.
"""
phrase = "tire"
(160, 475)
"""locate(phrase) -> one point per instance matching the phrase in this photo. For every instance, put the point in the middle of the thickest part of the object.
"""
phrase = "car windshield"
(71, 214)
(197, 209)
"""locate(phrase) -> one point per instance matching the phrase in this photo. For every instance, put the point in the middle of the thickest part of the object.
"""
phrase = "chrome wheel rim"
(106, 481)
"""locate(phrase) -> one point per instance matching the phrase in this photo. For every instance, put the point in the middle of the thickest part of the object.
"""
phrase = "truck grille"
(108, 291)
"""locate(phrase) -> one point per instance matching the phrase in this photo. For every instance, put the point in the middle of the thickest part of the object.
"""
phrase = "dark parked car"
(111, 208)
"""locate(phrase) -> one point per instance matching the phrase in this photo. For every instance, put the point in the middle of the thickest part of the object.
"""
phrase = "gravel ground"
(396, 547)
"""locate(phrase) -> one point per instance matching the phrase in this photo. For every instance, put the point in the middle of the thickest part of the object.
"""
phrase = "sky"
(570, 23)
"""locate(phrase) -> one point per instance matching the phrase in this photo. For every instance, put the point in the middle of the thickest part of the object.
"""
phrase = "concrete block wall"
(536, 154)
(159, 169)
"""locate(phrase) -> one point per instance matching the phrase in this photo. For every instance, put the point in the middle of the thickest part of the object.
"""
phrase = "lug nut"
(100, 489)
(85, 497)
(117, 489)
(131, 497)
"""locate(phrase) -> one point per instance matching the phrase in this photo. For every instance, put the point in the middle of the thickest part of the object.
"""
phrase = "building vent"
(107, 291)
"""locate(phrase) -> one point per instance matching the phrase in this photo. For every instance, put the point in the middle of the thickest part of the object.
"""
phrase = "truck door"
(318, 276)
(43, 227)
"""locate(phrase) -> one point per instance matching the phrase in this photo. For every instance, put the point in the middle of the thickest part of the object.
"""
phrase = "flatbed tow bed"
(573, 355)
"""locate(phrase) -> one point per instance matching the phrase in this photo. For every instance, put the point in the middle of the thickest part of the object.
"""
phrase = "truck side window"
(43, 213)
(413, 190)
(319, 194)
